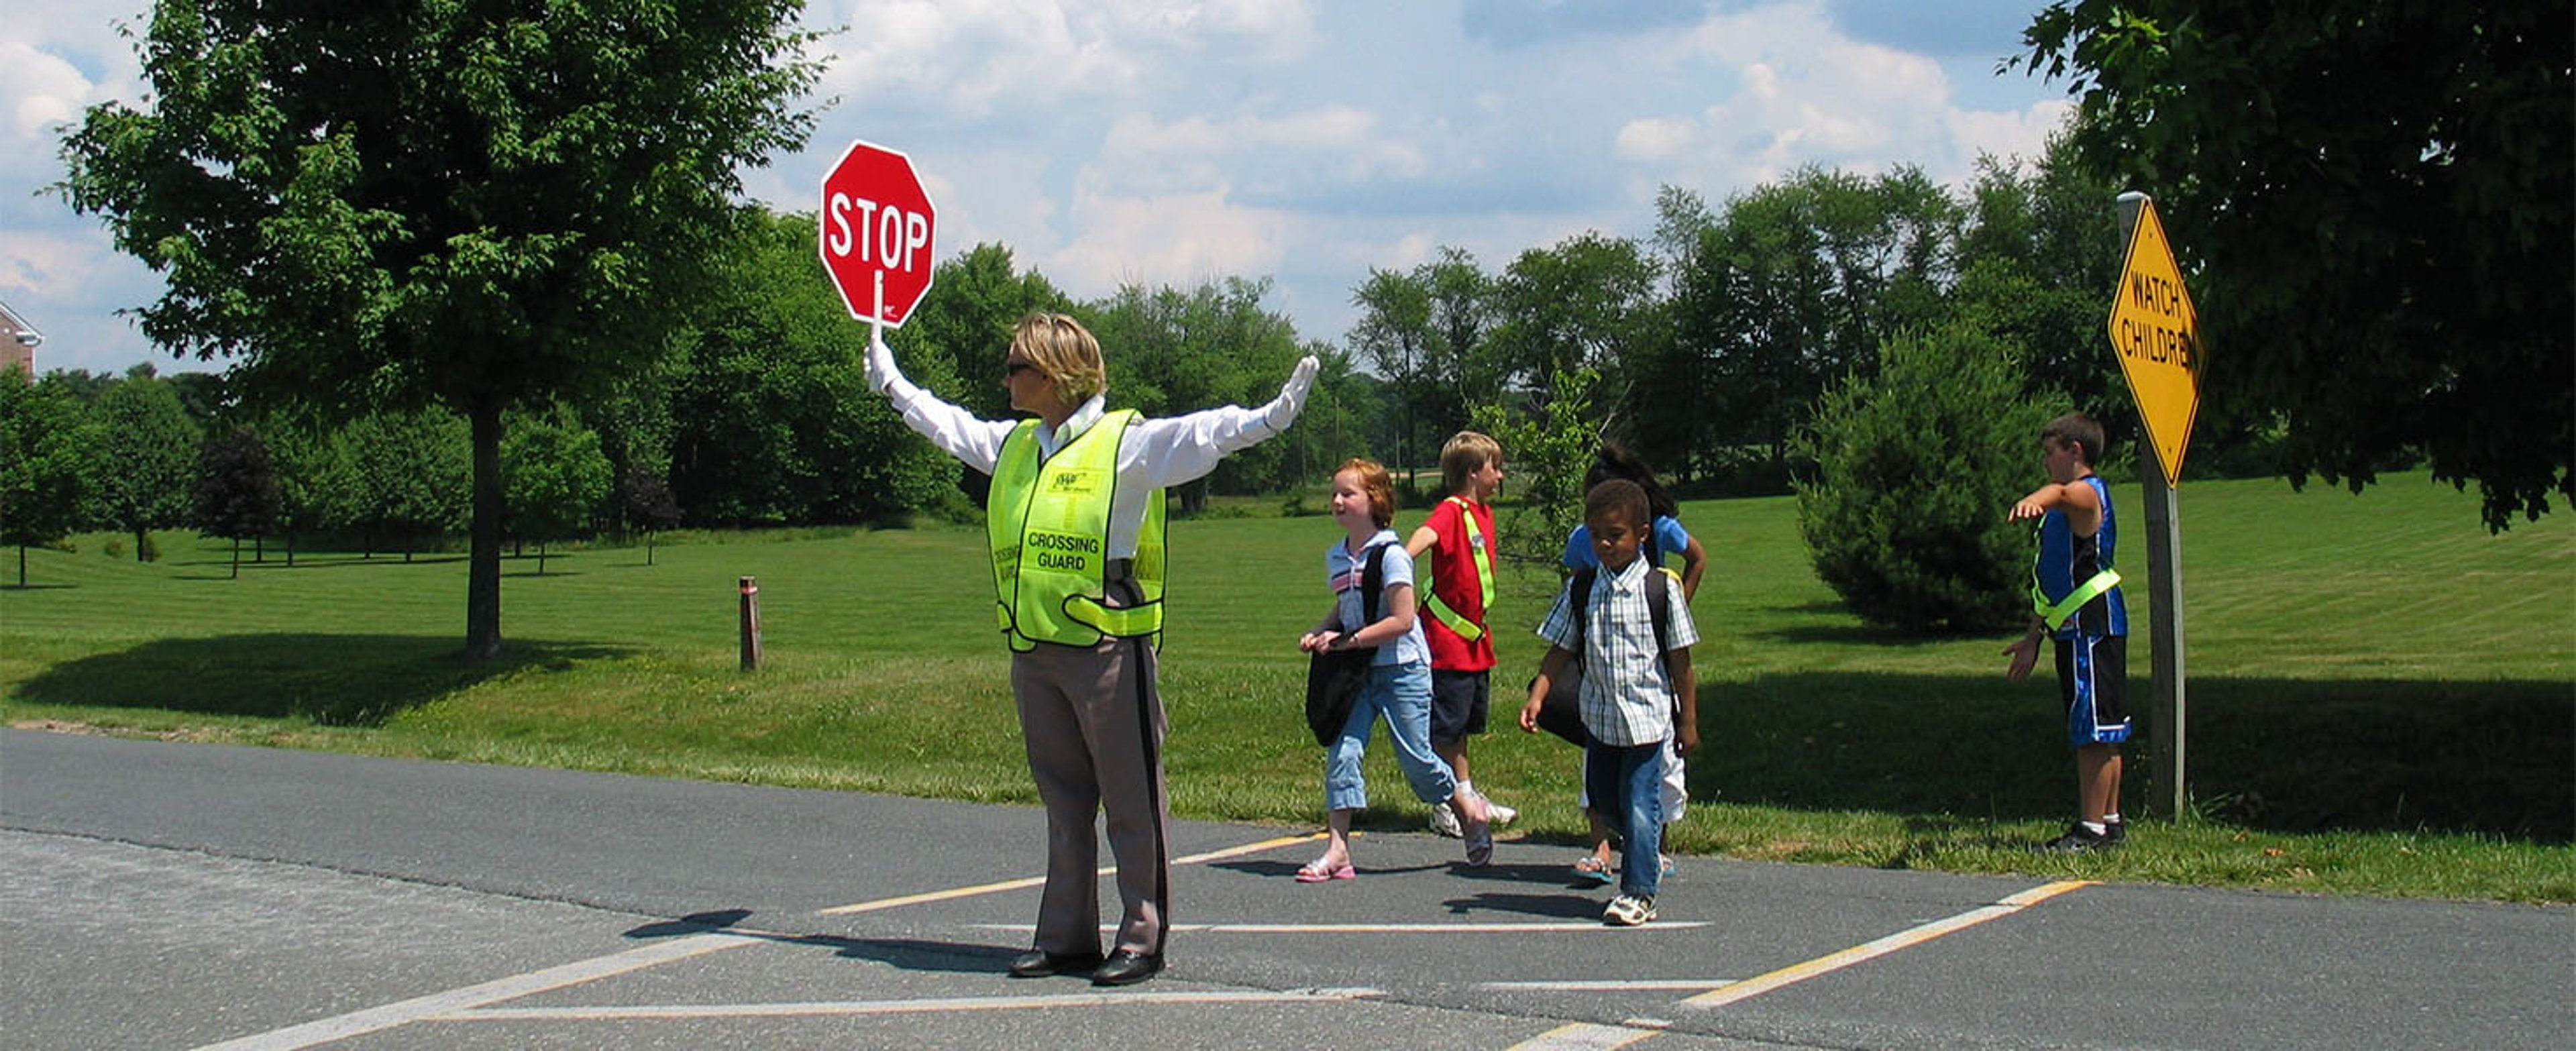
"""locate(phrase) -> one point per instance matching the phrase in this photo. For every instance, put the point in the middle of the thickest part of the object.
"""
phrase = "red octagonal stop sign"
(876, 226)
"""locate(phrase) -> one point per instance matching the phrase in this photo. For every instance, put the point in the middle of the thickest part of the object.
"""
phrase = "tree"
(1550, 450)
(318, 488)
(1915, 464)
(1171, 352)
(2373, 202)
(1590, 302)
(772, 419)
(146, 462)
(1793, 285)
(481, 204)
(555, 478)
(41, 475)
(646, 502)
(407, 473)
(236, 493)
(2039, 260)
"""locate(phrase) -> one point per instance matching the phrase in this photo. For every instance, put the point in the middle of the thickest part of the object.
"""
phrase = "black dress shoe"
(1039, 963)
(1127, 967)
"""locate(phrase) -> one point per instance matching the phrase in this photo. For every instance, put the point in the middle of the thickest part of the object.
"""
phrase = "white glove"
(1283, 410)
(882, 374)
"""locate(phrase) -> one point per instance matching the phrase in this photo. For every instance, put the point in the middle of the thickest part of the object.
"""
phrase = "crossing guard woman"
(1075, 523)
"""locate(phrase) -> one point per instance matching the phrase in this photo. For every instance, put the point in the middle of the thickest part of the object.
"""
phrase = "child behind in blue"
(1399, 682)
(1628, 691)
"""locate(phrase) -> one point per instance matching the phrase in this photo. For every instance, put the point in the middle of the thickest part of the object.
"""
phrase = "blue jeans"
(1626, 785)
(1403, 693)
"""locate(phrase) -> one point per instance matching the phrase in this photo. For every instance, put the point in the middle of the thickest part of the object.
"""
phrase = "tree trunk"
(236, 558)
(141, 537)
(483, 566)
(22, 567)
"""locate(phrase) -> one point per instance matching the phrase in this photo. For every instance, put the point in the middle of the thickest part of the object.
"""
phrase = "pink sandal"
(1316, 872)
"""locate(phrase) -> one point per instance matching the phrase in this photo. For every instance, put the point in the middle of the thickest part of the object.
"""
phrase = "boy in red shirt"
(1460, 537)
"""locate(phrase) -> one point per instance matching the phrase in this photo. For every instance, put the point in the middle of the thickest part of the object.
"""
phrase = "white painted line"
(1613, 985)
(1790, 975)
(1584, 1036)
(1034, 881)
(1531, 927)
(357, 1023)
(888, 1007)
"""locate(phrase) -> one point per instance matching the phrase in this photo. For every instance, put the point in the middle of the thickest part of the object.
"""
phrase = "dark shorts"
(1458, 703)
(2092, 678)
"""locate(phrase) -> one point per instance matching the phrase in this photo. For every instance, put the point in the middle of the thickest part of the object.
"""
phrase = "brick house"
(18, 349)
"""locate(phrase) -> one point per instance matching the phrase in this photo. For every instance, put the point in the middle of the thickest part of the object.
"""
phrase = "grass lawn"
(2382, 696)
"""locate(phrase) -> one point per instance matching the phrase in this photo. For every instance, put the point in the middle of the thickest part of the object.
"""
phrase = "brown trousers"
(1093, 722)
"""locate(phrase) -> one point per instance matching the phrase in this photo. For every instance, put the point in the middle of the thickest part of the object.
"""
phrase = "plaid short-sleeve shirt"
(1627, 695)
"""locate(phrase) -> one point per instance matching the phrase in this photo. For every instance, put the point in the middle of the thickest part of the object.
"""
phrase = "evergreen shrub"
(1915, 469)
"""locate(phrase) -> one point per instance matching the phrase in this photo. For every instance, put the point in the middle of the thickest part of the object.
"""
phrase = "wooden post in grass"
(2156, 333)
(750, 623)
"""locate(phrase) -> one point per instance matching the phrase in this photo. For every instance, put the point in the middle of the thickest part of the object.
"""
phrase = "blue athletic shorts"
(2092, 678)
(1458, 703)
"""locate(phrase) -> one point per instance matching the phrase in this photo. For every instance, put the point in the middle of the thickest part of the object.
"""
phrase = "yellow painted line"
(1752, 987)
(1584, 1036)
(1614, 985)
(954, 893)
(888, 1007)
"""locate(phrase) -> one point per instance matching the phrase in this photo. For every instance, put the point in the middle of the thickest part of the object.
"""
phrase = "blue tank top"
(2066, 560)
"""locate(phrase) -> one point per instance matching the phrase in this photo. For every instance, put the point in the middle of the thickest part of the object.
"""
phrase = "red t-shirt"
(1453, 578)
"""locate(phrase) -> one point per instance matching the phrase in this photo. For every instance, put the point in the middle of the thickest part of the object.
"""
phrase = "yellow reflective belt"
(1484, 559)
(2058, 613)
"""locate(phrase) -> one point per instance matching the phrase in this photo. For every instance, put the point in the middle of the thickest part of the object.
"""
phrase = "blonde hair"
(1466, 453)
(1064, 351)
(1378, 484)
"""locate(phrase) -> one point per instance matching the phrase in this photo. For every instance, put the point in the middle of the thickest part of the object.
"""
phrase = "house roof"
(20, 323)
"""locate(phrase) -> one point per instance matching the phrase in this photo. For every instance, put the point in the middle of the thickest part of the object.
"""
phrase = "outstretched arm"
(2083, 509)
(1178, 449)
(977, 443)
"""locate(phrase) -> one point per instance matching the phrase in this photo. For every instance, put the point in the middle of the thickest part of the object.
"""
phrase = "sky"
(1164, 143)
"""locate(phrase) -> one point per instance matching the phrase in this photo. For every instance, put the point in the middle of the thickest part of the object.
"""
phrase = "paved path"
(172, 895)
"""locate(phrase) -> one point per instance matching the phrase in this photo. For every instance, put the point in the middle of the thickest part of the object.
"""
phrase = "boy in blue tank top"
(2076, 603)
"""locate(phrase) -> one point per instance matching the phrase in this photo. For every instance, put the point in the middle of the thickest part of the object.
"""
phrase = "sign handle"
(2172, 795)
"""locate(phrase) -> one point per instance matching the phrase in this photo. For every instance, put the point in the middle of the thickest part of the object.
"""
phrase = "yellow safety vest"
(1047, 521)
(1484, 559)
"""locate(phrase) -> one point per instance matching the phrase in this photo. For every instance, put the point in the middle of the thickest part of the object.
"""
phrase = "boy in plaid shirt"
(1633, 697)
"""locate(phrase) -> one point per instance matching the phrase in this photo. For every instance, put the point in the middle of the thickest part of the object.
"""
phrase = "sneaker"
(1444, 820)
(1668, 863)
(2078, 840)
(1500, 815)
(2116, 833)
(1629, 910)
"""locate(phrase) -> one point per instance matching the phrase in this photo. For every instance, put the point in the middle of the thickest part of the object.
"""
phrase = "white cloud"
(1168, 142)
(1176, 239)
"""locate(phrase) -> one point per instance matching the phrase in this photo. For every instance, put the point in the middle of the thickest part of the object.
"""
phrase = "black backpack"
(1562, 712)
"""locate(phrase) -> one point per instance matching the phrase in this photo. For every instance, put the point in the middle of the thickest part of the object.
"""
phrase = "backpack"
(1561, 713)
(1334, 680)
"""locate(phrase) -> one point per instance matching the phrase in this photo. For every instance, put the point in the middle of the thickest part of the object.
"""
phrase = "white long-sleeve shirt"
(1157, 453)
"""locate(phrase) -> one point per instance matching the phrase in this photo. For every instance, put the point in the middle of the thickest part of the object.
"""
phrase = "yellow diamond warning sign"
(2157, 336)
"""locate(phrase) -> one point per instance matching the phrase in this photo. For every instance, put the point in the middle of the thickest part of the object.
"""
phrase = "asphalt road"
(177, 895)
